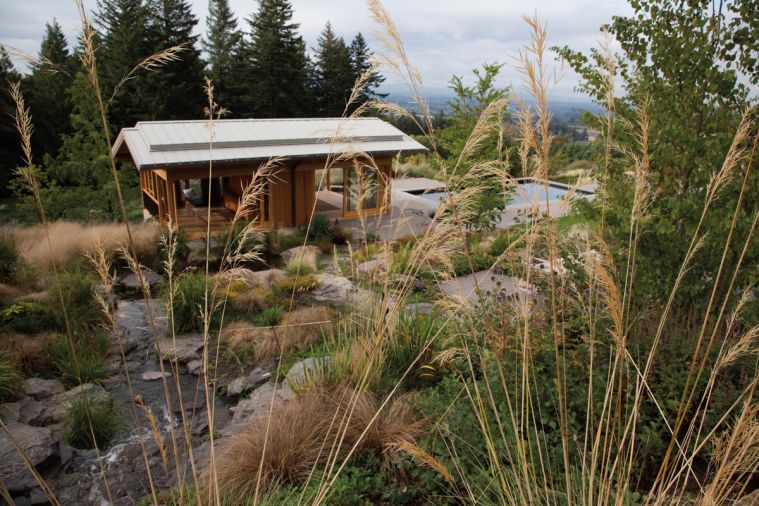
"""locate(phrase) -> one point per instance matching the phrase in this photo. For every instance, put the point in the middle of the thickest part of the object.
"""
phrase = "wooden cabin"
(330, 166)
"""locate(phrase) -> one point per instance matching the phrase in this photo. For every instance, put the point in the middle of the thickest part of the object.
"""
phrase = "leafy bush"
(26, 317)
(8, 259)
(269, 316)
(499, 245)
(188, 303)
(74, 285)
(339, 234)
(480, 262)
(320, 226)
(10, 381)
(297, 284)
(406, 344)
(83, 361)
(91, 424)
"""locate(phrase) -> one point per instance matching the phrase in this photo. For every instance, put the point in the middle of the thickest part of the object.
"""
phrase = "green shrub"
(339, 234)
(320, 226)
(499, 245)
(90, 424)
(26, 317)
(480, 262)
(270, 316)
(8, 259)
(406, 344)
(83, 361)
(303, 283)
(10, 381)
(187, 307)
(74, 284)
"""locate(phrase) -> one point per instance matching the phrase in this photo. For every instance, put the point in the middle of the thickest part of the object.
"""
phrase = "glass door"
(361, 190)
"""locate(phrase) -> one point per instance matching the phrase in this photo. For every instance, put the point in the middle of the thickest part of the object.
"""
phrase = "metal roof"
(152, 144)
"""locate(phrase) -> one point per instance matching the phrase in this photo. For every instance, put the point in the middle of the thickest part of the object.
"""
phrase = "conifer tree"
(278, 77)
(47, 88)
(176, 88)
(123, 27)
(223, 44)
(9, 142)
(333, 74)
(361, 62)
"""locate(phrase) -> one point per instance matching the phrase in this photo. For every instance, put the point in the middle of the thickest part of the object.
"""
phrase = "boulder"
(371, 266)
(300, 371)
(26, 410)
(332, 288)
(301, 251)
(197, 257)
(403, 280)
(257, 405)
(57, 406)
(155, 375)
(132, 281)
(183, 349)
(269, 277)
(244, 383)
(39, 388)
(195, 367)
(40, 446)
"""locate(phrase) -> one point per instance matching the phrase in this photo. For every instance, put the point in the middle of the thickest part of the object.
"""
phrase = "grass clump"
(85, 360)
(298, 431)
(301, 264)
(70, 296)
(91, 424)
(27, 317)
(8, 259)
(320, 226)
(28, 353)
(187, 308)
(297, 284)
(10, 380)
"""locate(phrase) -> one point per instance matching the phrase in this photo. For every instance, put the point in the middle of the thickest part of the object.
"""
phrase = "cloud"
(442, 37)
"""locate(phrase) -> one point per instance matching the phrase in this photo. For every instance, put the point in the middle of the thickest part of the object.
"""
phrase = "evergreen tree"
(278, 75)
(9, 142)
(47, 91)
(123, 26)
(176, 88)
(333, 74)
(361, 62)
(223, 44)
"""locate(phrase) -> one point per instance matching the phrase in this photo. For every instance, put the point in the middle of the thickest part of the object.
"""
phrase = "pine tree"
(46, 89)
(176, 88)
(278, 76)
(9, 141)
(223, 44)
(123, 26)
(333, 74)
(361, 62)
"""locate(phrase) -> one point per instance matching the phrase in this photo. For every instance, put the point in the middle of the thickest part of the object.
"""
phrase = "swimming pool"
(534, 193)
(436, 197)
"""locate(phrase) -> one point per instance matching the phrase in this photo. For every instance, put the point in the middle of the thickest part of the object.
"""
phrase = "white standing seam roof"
(152, 144)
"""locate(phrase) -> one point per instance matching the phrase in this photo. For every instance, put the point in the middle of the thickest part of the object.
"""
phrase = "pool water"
(435, 197)
(534, 193)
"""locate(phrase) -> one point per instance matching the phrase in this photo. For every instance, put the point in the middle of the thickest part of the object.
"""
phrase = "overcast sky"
(442, 37)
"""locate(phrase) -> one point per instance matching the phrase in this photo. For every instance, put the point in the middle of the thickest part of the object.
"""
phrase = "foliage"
(10, 147)
(693, 103)
(8, 260)
(479, 262)
(90, 423)
(409, 345)
(189, 297)
(10, 381)
(82, 358)
(361, 64)
(27, 317)
(296, 284)
(270, 316)
(333, 77)
(223, 44)
(320, 226)
(278, 76)
(71, 297)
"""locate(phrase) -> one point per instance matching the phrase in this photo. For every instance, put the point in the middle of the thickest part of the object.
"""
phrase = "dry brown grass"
(72, 240)
(27, 353)
(9, 292)
(298, 330)
(312, 429)
(252, 300)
